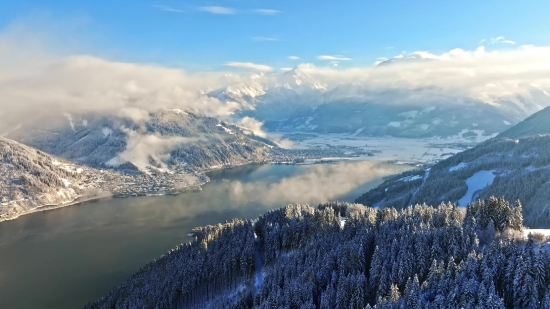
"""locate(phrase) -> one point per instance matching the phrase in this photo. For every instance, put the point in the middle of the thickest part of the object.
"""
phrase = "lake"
(66, 257)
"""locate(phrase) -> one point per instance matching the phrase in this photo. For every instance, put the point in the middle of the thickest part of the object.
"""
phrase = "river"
(66, 257)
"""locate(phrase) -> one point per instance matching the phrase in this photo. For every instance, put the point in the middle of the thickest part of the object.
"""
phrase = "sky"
(228, 34)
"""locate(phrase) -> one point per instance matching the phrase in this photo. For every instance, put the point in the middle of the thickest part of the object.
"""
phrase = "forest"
(342, 255)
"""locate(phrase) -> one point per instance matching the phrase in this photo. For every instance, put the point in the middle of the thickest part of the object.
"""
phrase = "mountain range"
(294, 101)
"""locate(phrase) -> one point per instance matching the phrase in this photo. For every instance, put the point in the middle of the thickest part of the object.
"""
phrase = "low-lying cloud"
(318, 184)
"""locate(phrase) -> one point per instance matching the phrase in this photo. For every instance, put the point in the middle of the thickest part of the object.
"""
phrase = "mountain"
(272, 97)
(293, 101)
(538, 123)
(368, 115)
(515, 165)
(164, 140)
(31, 179)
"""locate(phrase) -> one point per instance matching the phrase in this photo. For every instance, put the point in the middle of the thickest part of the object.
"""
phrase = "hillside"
(30, 179)
(307, 257)
(165, 140)
(538, 123)
(517, 168)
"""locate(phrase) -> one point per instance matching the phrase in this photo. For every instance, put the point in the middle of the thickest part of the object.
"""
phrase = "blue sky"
(205, 35)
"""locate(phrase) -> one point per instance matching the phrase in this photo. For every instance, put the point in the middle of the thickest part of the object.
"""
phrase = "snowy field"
(477, 182)
(404, 150)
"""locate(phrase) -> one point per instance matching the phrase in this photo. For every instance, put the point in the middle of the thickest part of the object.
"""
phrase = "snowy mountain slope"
(30, 179)
(162, 140)
(436, 118)
(538, 123)
(512, 168)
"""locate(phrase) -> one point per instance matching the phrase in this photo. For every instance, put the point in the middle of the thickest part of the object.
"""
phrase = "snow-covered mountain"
(295, 101)
(515, 165)
(31, 179)
(163, 140)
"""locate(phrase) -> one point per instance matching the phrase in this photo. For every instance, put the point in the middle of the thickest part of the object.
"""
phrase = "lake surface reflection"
(66, 257)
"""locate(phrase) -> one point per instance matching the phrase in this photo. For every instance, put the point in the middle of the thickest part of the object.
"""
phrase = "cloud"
(265, 39)
(480, 74)
(144, 150)
(249, 66)
(220, 10)
(333, 58)
(293, 57)
(167, 8)
(497, 40)
(267, 12)
(318, 184)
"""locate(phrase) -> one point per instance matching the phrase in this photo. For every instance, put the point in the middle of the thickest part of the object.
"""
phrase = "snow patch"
(506, 123)
(429, 109)
(66, 182)
(106, 131)
(85, 122)
(358, 131)
(457, 167)
(424, 127)
(478, 181)
(410, 178)
(225, 129)
(408, 115)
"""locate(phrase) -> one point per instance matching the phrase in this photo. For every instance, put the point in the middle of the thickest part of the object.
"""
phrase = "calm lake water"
(66, 257)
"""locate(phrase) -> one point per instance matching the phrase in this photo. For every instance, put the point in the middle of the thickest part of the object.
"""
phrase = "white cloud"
(333, 58)
(498, 40)
(293, 57)
(217, 10)
(265, 39)
(249, 66)
(267, 12)
(167, 8)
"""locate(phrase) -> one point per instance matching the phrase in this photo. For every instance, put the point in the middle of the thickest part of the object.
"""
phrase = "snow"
(179, 111)
(506, 123)
(66, 182)
(79, 170)
(56, 163)
(225, 129)
(424, 127)
(85, 122)
(457, 167)
(478, 181)
(410, 178)
(106, 131)
(408, 115)
(358, 131)
(342, 222)
(394, 124)
(428, 109)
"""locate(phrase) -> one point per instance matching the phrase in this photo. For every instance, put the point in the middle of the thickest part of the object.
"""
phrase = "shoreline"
(186, 189)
